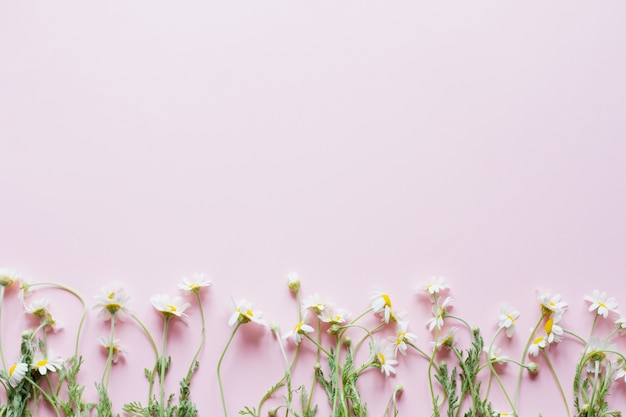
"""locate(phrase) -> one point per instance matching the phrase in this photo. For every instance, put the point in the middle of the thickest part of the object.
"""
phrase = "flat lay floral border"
(462, 384)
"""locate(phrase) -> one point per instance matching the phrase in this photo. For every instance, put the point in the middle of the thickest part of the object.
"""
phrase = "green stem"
(4, 365)
(163, 361)
(46, 396)
(317, 361)
(203, 335)
(523, 360)
(219, 365)
(107, 369)
(317, 344)
(431, 362)
(558, 383)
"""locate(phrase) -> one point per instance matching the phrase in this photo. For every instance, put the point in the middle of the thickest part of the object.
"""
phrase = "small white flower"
(538, 343)
(439, 312)
(384, 357)
(621, 370)
(8, 277)
(110, 302)
(170, 307)
(596, 352)
(298, 330)
(334, 315)
(446, 340)
(315, 303)
(551, 304)
(402, 337)
(436, 285)
(496, 354)
(17, 372)
(600, 302)
(24, 290)
(38, 308)
(43, 365)
(113, 348)
(244, 314)
(381, 303)
(554, 332)
(508, 316)
(194, 285)
(293, 282)
(621, 323)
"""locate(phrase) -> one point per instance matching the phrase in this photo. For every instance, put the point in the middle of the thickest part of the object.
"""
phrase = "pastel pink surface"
(362, 145)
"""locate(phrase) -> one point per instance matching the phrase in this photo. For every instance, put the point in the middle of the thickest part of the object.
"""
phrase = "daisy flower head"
(596, 352)
(17, 372)
(508, 316)
(299, 330)
(551, 305)
(402, 337)
(195, 284)
(334, 315)
(434, 286)
(43, 364)
(112, 347)
(384, 357)
(315, 303)
(603, 304)
(446, 340)
(38, 308)
(538, 343)
(439, 312)
(293, 282)
(245, 314)
(621, 323)
(8, 277)
(170, 306)
(395, 316)
(496, 355)
(381, 303)
(621, 370)
(24, 290)
(554, 332)
(111, 301)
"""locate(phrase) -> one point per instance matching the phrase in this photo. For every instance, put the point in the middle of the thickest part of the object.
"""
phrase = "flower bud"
(293, 282)
(274, 327)
(533, 367)
(347, 342)
(272, 412)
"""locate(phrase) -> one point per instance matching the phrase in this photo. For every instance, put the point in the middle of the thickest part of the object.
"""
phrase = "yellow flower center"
(171, 308)
(41, 363)
(401, 338)
(12, 369)
(537, 340)
(194, 287)
(381, 358)
(113, 307)
(387, 300)
(548, 325)
(508, 316)
(111, 295)
(602, 305)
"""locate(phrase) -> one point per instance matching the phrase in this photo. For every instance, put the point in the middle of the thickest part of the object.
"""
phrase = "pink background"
(361, 144)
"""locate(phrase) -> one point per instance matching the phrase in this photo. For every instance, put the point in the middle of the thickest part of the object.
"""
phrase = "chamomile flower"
(334, 315)
(439, 313)
(402, 337)
(496, 354)
(114, 348)
(621, 323)
(315, 303)
(436, 285)
(38, 308)
(111, 301)
(601, 303)
(538, 343)
(596, 352)
(554, 332)
(551, 305)
(446, 340)
(384, 358)
(621, 370)
(244, 314)
(8, 277)
(170, 306)
(508, 316)
(381, 303)
(298, 330)
(43, 364)
(24, 290)
(293, 282)
(17, 372)
(194, 285)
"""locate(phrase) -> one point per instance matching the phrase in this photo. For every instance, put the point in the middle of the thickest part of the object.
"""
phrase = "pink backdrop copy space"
(360, 144)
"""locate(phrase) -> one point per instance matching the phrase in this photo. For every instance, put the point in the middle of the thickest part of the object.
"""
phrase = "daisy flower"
(113, 348)
(17, 372)
(538, 343)
(436, 285)
(315, 303)
(298, 330)
(43, 365)
(24, 290)
(439, 312)
(600, 302)
(381, 303)
(38, 308)
(621, 371)
(596, 352)
(446, 340)
(334, 315)
(170, 307)
(554, 332)
(507, 318)
(402, 337)
(194, 285)
(293, 281)
(384, 357)
(551, 304)
(621, 323)
(496, 354)
(111, 301)
(8, 277)
(244, 314)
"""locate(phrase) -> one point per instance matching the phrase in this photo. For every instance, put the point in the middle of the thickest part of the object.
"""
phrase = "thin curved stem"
(219, 366)
(558, 383)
